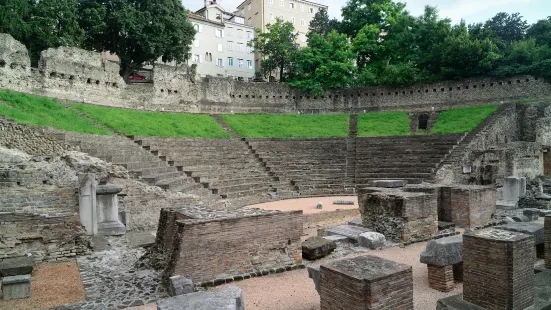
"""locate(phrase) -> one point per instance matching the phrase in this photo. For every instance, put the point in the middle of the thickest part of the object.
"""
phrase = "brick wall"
(498, 269)
(167, 228)
(471, 206)
(210, 249)
(48, 237)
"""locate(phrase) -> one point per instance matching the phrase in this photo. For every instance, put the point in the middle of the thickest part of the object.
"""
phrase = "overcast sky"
(470, 10)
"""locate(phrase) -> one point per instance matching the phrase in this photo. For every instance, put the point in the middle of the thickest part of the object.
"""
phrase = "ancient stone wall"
(84, 76)
(211, 249)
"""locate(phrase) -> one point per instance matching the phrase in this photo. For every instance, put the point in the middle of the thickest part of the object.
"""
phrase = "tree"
(14, 17)
(541, 32)
(327, 62)
(358, 13)
(138, 32)
(319, 24)
(508, 28)
(277, 47)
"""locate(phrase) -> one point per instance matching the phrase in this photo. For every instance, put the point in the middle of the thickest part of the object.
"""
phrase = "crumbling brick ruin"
(206, 245)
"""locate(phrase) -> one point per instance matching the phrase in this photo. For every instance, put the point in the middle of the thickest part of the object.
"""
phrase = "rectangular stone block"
(366, 283)
(471, 206)
(548, 241)
(16, 287)
(498, 269)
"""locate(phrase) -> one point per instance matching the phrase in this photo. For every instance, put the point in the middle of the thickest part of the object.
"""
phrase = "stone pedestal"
(108, 210)
(16, 287)
(548, 241)
(498, 269)
(534, 229)
(366, 283)
(441, 278)
(87, 202)
(514, 188)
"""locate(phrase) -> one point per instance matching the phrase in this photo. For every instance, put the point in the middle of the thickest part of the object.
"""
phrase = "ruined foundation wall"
(210, 249)
(84, 76)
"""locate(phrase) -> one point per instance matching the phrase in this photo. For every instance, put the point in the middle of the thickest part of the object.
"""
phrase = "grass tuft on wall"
(462, 119)
(381, 124)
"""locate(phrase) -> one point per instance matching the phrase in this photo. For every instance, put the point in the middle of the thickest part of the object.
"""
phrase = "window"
(249, 6)
(249, 64)
(250, 21)
(249, 35)
(230, 62)
(281, 2)
(293, 20)
(311, 10)
(208, 56)
(291, 6)
(271, 1)
(302, 22)
(302, 7)
(230, 31)
(218, 33)
(241, 47)
(219, 47)
(195, 58)
(196, 43)
(196, 27)
(271, 16)
(239, 33)
(219, 62)
(240, 63)
(242, 12)
(249, 49)
(230, 46)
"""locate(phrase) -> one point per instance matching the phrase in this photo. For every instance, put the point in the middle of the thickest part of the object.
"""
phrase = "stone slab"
(443, 252)
(230, 298)
(179, 285)
(388, 183)
(16, 266)
(350, 231)
(337, 238)
(315, 275)
(108, 189)
(343, 202)
(506, 205)
(521, 219)
(317, 247)
(544, 213)
(534, 229)
(111, 228)
(445, 225)
(368, 268)
(371, 240)
(16, 287)
(141, 239)
(356, 222)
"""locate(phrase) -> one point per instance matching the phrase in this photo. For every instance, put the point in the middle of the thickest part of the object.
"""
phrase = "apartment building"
(220, 44)
(259, 13)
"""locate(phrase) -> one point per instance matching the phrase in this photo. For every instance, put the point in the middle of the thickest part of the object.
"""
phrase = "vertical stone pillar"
(498, 269)
(441, 278)
(87, 202)
(547, 241)
(108, 210)
(366, 283)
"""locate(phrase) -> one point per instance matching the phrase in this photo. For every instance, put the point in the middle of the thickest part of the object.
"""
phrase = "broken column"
(108, 210)
(87, 202)
(498, 269)
(366, 282)
(444, 259)
(548, 241)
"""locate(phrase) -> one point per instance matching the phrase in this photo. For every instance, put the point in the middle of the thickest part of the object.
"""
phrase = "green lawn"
(141, 123)
(40, 111)
(462, 119)
(288, 126)
(380, 124)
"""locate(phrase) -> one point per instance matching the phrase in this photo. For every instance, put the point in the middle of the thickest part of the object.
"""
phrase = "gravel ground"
(293, 290)
(52, 284)
(308, 205)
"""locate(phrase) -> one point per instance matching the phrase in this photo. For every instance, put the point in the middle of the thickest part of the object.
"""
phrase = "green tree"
(508, 27)
(319, 24)
(541, 32)
(14, 18)
(358, 13)
(138, 32)
(326, 63)
(277, 47)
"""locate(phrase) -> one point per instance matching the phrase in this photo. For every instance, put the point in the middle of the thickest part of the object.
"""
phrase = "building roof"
(302, 1)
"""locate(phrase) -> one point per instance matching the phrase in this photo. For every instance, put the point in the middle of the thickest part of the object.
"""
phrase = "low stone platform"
(16, 266)
(349, 231)
(542, 293)
(230, 298)
(317, 247)
(530, 228)
(16, 287)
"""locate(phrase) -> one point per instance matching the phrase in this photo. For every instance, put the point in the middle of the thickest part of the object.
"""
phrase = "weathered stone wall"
(79, 75)
(211, 249)
(472, 206)
(47, 237)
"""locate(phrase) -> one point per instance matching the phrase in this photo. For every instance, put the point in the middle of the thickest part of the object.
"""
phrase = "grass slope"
(40, 111)
(462, 119)
(288, 126)
(141, 123)
(381, 124)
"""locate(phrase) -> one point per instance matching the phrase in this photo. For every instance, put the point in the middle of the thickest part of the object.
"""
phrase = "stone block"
(506, 205)
(513, 188)
(372, 240)
(314, 274)
(441, 278)
(534, 229)
(180, 285)
(532, 214)
(230, 298)
(388, 183)
(547, 237)
(366, 283)
(16, 287)
(317, 247)
(344, 202)
(16, 266)
(356, 222)
(337, 238)
(544, 213)
(443, 252)
(521, 218)
(445, 225)
(350, 231)
(498, 269)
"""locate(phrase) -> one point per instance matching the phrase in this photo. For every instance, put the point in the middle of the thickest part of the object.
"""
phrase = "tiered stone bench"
(407, 157)
(226, 166)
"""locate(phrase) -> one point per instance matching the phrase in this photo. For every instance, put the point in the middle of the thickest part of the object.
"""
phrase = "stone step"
(245, 193)
(137, 165)
(154, 171)
(187, 188)
(224, 190)
(266, 180)
(179, 180)
(153, 180)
